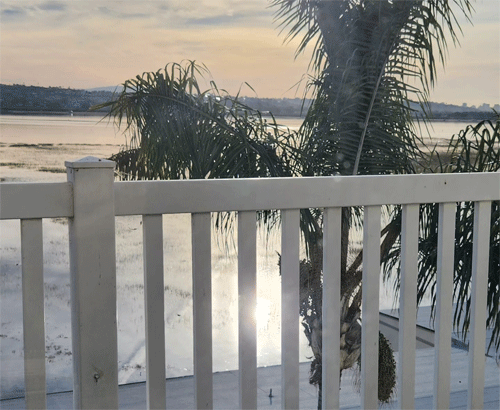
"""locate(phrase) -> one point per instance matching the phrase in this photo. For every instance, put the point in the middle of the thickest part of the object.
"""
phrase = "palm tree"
(370, 59)
(178, 131)
(474, 149)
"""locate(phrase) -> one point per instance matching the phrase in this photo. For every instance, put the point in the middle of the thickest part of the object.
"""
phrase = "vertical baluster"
(370, 307)
(480, 255)
(290, 308)
(408, 306)
(33, 313)
(247, 281)
(154, 310)
(202, 310)
(332, 234)
(444, 305)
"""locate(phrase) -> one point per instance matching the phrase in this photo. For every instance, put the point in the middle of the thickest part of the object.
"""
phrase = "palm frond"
(474, 149)
(179, 131)
(366, 57)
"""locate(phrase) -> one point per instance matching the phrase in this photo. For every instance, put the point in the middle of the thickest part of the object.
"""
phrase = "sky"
(98, 43)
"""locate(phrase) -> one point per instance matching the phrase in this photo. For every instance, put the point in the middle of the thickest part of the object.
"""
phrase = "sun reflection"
(262, 312)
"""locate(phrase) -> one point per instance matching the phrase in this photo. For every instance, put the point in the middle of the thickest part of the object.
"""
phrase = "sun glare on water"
(262, 312)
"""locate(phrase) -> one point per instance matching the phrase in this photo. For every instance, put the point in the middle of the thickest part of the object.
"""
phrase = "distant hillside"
(288, 107)
(32, 100)
(296, 107)
(110, 88)
(21, 99)
(439, 111)
(442, 111)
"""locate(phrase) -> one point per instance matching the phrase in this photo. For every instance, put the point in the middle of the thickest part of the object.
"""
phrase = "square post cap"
(90, 162)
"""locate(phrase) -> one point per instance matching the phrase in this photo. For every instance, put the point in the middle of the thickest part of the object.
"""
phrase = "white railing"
(91, 199)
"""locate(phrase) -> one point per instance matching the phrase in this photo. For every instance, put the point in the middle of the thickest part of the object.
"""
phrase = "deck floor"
(180, 390)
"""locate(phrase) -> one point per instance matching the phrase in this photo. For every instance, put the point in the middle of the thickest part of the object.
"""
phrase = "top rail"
(28, 200)
(194, 196)
(50, 200)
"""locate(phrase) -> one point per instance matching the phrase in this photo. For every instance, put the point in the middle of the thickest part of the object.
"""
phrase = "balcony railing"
(91, 199)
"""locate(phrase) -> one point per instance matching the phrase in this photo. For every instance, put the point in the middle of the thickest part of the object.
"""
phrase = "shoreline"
(105, 113)
(56, 113)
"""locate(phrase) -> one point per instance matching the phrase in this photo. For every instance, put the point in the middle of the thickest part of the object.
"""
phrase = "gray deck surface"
(180, 390)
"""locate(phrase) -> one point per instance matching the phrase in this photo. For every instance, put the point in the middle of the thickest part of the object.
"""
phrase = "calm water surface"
(34, 148)
(94, 130)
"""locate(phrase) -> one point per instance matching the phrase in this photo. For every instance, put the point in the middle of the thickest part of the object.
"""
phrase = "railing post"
(93, 284)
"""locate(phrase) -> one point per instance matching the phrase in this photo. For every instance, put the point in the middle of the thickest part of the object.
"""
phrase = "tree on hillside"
(370, 58)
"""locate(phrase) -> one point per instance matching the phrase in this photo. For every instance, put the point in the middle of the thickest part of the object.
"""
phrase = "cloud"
(43, 14)
(204, 13)
(90, 43)
(13, 12)
(52, 6)
(32, 14)
(125, 15)
(179, 14)
(241, 18)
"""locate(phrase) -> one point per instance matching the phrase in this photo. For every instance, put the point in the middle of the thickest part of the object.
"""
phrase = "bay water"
(33, 149)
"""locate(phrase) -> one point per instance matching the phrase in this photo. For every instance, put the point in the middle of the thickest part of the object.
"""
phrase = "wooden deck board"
(180, 390)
